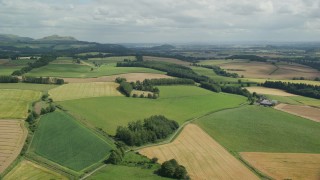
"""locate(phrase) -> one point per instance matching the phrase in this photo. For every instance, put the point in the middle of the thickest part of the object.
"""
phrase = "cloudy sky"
(120, 21)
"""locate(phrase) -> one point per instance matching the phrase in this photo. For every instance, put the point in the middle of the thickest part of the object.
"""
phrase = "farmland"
(180, 103)
(26, 86)
(285, 165)
(84, 90)
(131, 77)
(168, 60)
(12, 137)
(61, 139)
(296, 100)
(203, 157)
(15, 103)
(273, 71)
(270, 91)
(302, 111)
(26, 170)
(84, 71)
(240, 130)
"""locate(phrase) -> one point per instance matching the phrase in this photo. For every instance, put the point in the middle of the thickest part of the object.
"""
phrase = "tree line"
(150, 130)
(42, 61)
(9, 79)
(248, 57)
(35, 80)
(307, 90)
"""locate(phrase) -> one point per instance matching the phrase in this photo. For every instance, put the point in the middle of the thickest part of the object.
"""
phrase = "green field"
(7, 70)
(296, 100)
(180, 103)
(14, 103)
(220, 61)
(262, 129)
(129, 167)
(8, 67)
(211, 74)
(61, 139)
(27, 86)
(28, 170)
(83, 71)
(84, 90)
(109, 60)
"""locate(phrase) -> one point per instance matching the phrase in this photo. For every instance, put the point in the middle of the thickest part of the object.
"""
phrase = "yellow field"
(84, 90)
(131, 77)
(27, 170)
(202, 156)
(14, 103)
(12, 137)
(270, 71)
(302, 111)
(271, 91)
(285, 165)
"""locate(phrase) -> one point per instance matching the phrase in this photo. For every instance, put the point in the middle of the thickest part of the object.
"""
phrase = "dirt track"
(285, 165)
(202, 156)
(130, 77)
(302, 111)
(12, 137)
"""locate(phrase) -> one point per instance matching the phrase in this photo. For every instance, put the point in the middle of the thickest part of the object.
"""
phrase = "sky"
(164, 21)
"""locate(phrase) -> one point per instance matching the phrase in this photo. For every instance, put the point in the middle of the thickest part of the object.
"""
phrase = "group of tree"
(218, 70)
(169, 81)
(172, 169)
(116, 156)
(149, 130)
(44, 60)
(236, 90)
(42, 80)
(307, 90)
(9, 79)
(248, 57)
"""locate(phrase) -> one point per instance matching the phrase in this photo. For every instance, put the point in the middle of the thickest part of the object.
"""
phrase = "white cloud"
(163, 20)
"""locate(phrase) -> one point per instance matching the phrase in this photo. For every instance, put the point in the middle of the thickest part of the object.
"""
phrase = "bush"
(172, 169)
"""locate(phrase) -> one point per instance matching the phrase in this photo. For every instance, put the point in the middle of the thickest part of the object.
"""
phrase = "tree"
(172, 169)
(115, 157)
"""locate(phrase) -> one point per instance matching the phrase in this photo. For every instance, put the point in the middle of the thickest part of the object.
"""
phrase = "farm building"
(266, 102)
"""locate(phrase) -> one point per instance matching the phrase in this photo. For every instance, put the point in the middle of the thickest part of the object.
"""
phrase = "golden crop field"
(12, 137)
(202, 156)
(302, 111)
(270, 91)
(27, 170)
(285, 165)
(84, 90)
(14, 103)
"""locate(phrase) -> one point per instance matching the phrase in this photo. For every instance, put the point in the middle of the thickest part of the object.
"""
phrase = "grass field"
(7, 67)
(296, 100)
(113, 59)
(27, 170)
(211, 74)
(179, 103)
(133, 166)
(262, 129)
(12, 137)
(285, 165)
(84, 90)
(169, 60)
(203, 157)
(61, 139)
(267, 70)
(131, 77)
(270, 91)
(221, 61)
(14, 103)
(83, 71)
(302, 111)
(27, 86)
(283, 80)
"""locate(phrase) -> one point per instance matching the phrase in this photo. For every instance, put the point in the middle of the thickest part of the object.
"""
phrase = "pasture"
(7, 67)
(221, 61)
(15, 103)
(283, 80)
(61, 139)
(84, 71)
(202, 156)
(84, 90)
(267, 70)
(302, 111)
(131, 77)
(270, 91)
(285, 165)
(12, 137)
(296, 100)
(28, 86)
(262, 129)
(179, 103)
(27, 170)
(168, 60)
(113, 59)
(211, 74)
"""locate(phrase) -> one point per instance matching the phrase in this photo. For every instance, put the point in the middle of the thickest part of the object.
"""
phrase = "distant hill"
(57, 38)
(13, 38)
(164, 47)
